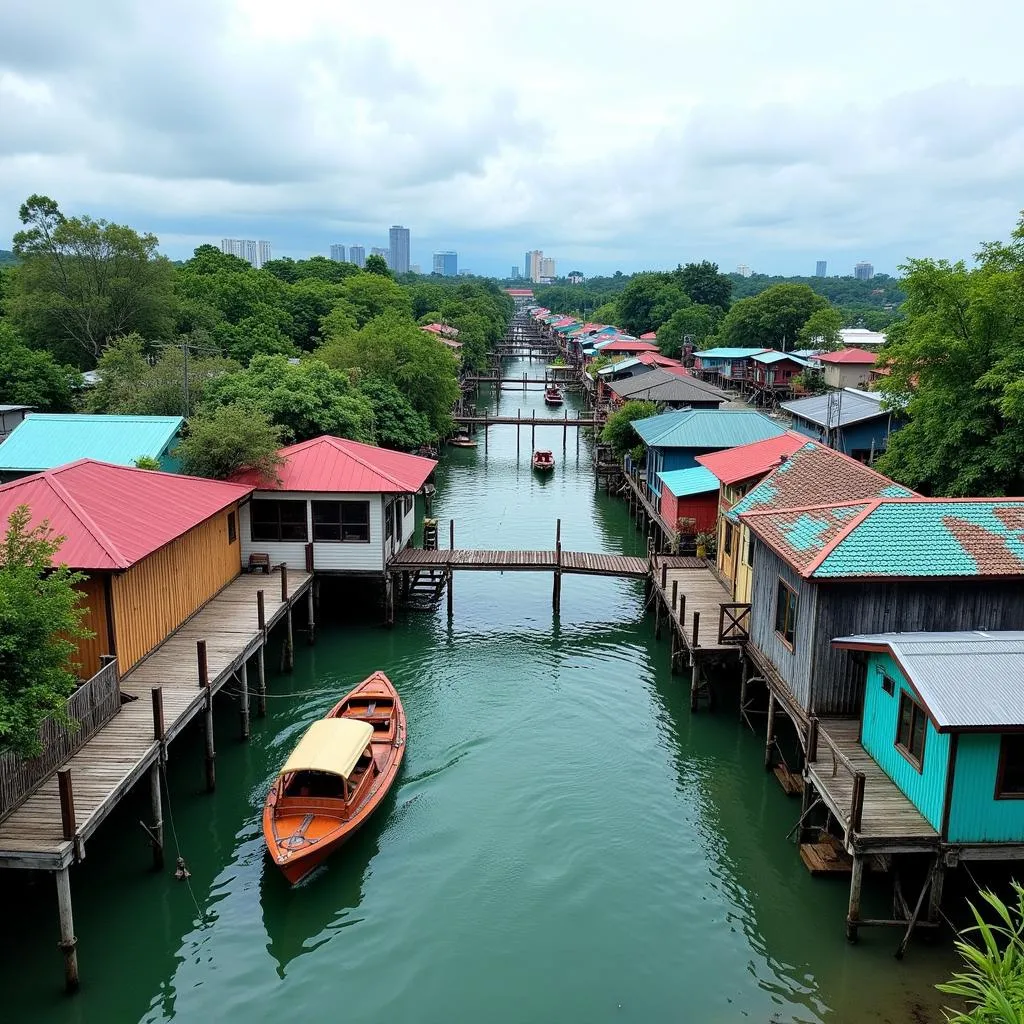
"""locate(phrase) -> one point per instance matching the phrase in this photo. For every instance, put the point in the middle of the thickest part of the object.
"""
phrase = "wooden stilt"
(556, 585)
(451, 606)
(311, 634)
(243, 700)
(744, 673)
(288, 654)
(211, 753)
(156, 816)
(261, 692)
(519, 416)
(770, 741)
(68, 942)
(533, 432)
(853, 912)
(935, 896)
(673, 650)
(657, 618)
(694, 685)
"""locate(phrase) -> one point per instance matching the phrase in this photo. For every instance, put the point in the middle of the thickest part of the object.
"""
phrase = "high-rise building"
(386, 253)
(262, 254)
(863, 271)
(357, 255)
(338, 253)
(743, 270)
(531, 268)
(248, 249)
(821, 268)
(515, 274)
(414, 268)
(446, 263)
(547, 269)
(398, 238)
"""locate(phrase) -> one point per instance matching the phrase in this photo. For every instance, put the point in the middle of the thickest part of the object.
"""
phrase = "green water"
(565, 842)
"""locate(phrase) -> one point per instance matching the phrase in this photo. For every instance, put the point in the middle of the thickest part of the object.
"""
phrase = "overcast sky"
(623, 135)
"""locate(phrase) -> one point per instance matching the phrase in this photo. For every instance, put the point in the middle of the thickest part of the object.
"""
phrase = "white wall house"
(353, 502)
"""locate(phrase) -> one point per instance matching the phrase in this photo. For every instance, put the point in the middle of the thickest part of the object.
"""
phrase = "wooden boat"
(553, 395)
(543, 460)
(462, 441)
(335, 778)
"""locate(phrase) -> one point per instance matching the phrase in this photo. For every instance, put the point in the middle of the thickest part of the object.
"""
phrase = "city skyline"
(399, 248)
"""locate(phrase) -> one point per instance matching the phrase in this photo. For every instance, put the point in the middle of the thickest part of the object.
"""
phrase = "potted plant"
(706, 545)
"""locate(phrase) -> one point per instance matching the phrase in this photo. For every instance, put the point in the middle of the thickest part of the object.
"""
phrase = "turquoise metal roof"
(727, 353)
(696, 480)
(705, 428)
(775, 357)
(46, 440)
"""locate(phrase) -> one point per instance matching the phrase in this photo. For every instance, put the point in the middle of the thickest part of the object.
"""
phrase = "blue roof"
(623, 364)
(705, 428)
(727, 353)
(696, 480)
(46, 440)
(775, 357)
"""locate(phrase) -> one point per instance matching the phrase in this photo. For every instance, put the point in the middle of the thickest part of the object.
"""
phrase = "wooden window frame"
(258, 503)
(748, 551)
(340, 521)
(727, 538)
(232, 528)
(999, 793)
(389, 521)
(784, 586)
(408, 502)
(917, 711)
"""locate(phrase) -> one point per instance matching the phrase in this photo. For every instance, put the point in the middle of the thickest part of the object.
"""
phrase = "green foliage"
(646, 298)
(992, 982)
(772, 319)
(40, 622)
(82, 282)
(958, 361)
(377, 265)
(147, 462)
(229, 439)
(32, 377)
(618, 430)
(697, 320)
(705, 286)
(304, 399)
(608, 313)
(821, 330)
(370, 295)
(396, 424)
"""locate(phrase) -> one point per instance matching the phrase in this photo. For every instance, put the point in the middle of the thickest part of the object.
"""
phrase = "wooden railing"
(90, 707)
(839, 760)
(733, 623)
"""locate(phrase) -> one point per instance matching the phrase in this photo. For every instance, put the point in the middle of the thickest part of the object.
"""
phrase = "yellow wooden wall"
(95, 619)
(159, 593)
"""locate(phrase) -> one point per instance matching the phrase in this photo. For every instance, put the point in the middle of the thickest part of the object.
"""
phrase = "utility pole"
(184, 349)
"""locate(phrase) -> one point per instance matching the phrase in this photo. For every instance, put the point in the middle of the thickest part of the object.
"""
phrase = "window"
(785, 613)
(232, 530)
(278, 520)
(407, 504)
(888, 685)
(345, 521)
(911, 730)
(1010, 777)
(748, 556)
(389, 520)
(727, 545)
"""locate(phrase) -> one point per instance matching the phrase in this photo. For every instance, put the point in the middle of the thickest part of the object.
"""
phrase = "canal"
(565, 842)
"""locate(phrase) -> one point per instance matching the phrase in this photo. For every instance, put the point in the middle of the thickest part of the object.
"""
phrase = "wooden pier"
(645, 513)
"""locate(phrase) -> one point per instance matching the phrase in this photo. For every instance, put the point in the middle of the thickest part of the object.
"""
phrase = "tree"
(698, 321)
(396, 424)
(82, 282)
(637, 302)
(40, 622)
(376, 264)
(228, 440)
(369, 295)
(31, 377)
(821, 330)
(705, 286)
(618, 430)
(772, 319)
(607, 313)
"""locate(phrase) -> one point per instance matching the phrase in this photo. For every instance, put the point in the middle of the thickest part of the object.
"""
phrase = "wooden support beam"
(288, 651)
(68, 822)
(311, 630)
(451, 534)
(770, 741)
(853, 910)
(261, 613)
(696, 630)
(157, 695)
(243, 700)
(812, 739)
(309, 557)
(451, 605)
(857, 802)
(694, 685)
(68, 942)
(284, 581)
(156, 816)
(211, 753)
(675, 594)
(202, 664)
(261, 690)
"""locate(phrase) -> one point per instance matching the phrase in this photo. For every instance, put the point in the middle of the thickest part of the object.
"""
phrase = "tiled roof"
(113, 516)
(848, 355)
(899, 537)
(695, 480)
(705, 428)
(335, 464)
(735, 464)
(817, 475)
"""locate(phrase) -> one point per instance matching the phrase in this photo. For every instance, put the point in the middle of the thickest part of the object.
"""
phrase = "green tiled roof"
(705, 428)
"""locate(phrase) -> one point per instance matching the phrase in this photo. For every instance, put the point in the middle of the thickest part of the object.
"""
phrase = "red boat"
(543, 460)
(335, 778)
(552, 395)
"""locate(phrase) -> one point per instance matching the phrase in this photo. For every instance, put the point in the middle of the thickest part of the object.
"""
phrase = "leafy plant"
(618, 430)
(147, 462)
(228, 440)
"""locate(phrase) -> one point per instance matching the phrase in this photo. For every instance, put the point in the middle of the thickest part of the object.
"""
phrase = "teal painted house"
(944, 719)
(47, 440)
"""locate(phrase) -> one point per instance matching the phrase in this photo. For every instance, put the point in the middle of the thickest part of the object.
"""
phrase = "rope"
(177, 846)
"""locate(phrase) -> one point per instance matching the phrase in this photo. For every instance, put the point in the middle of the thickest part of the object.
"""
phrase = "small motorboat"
(553, 395)
(335, 778)
(462, 440)
(543, 461)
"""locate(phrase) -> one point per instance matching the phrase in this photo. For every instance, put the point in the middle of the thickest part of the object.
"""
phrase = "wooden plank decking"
(578, 562)
(113, 760)
(697, 590)
(890, 823)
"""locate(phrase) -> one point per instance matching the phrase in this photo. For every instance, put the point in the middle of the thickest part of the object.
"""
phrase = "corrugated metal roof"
(695, 480)
(113, 516)
(848, 355)
(705, 428)
(46, 440)
(778, 357)
(728, 353)
(659, 386)
(15, 408)
(838, 408)
(967, 680)
(735, 464)
(335, 464)
(623, 364)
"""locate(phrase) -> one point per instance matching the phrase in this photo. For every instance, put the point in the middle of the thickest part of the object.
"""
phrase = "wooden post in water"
(284, 582)
(770, 740)
(565, 431)
(519, 416)
(311, 632)
(696, 630)
(68, 942)
(694, 684)
(243, 699)
(744, 675)
(451, 606)
(675, 595)
(556, 586)
(288, 654)
(261, 687)
(68, 822)
(204, 684)
(485, 431)
(261, 614)
(451, 534)
(156, 828)
(533, 432)
(853, 911)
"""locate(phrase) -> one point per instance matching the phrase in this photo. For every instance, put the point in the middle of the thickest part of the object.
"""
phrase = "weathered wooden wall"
(157, 594)
(95, 619)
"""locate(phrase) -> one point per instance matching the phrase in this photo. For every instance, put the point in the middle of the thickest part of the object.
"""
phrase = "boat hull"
(301, 832)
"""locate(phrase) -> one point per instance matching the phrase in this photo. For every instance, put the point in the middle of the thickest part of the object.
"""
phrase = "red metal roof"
(657, 359)
(649, 336)
(114, 516)
(335, 464)
(848, 355)
(519, 291)
(735, 464)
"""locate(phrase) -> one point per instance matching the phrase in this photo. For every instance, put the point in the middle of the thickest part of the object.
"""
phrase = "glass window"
(347, 522)
(389, 520)
(748, 555)
(407, 502)
(785, 613)
(1010, 780)
(911, 730)
(278, 521)
(232, 528)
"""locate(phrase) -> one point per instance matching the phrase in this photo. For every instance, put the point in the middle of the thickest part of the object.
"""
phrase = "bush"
(618, 431)
(229, 440)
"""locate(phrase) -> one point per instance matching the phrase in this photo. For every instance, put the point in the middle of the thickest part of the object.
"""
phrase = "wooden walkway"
(578, 562)
(102, 772)
(698, 592)
(641, 506)
(889, 822)
(529, 421)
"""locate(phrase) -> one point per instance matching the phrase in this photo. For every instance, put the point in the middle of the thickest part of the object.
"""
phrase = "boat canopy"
(332, 745)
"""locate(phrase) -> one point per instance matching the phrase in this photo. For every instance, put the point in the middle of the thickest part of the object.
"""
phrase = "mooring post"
(261, 690)
(311, 632)
(533, 432)
(673, 650)
(664, 576)
(156, 817)
(519, 416)
(853, 912)
(565, 430)
(157, 696)
(204, 684)
(744, 675)
(694, 685)
(68, 822)
(451, 534)
(451, 606)
(485, 431)
(556, 586)
(68, 942)
(261, 614)
(675, 595)
(288, 653)
(696, 630)
(770, 740)
(243, 699)
(284, 582)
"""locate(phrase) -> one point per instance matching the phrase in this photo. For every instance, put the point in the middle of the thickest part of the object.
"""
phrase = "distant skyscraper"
(248, 249)
(386, 253)
(357, 255)
(414, 268)
(547, 269)
(398, 238)
(446, 263)
(338, 253)
(821, 268)
(233, 247)
(263, 254)
(743, 270)
(515, 274)
(863, 271)
(531, 268)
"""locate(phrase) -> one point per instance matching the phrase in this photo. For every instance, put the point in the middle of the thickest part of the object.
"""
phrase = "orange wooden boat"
(335, 778)
(543, 461)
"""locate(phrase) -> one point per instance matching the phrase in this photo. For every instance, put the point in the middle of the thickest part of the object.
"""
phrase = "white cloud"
(611, 135)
